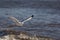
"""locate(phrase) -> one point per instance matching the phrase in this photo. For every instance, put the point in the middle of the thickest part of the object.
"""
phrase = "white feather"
(17, 22)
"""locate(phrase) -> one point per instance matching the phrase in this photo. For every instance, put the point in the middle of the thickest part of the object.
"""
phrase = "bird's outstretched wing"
(14, 19)
(28, 19)
(17, 22)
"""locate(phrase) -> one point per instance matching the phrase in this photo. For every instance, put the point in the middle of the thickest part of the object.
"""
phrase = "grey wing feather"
(14, 19)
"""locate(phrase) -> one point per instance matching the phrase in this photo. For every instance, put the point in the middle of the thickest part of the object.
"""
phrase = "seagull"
(17, 22)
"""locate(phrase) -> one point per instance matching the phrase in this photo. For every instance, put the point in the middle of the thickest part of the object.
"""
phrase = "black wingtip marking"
(32, 16)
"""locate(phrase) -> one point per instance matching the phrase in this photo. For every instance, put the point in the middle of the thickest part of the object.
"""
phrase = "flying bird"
(17, 22)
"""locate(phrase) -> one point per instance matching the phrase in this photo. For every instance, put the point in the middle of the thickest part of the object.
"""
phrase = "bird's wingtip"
(32, 16)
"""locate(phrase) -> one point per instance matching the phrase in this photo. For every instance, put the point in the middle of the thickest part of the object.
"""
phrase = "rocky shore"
(19, 35)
